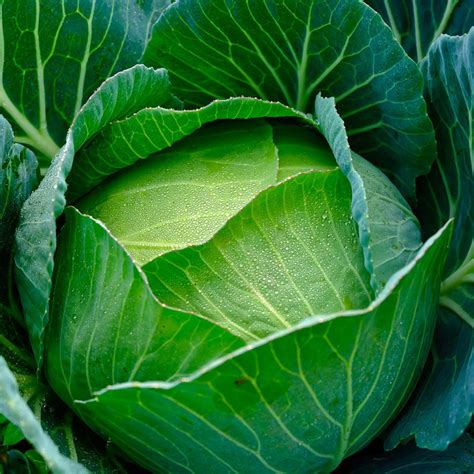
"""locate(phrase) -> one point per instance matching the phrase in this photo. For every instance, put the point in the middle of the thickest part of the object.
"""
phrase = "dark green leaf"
(37, 461)
(448, 191)
(291, 50)
(444, 403)
(17, 180)
(388, 231)
(72, 438)
(456, 459)
(14, 345)
(17, 463)
(417, 24)
(54, 54)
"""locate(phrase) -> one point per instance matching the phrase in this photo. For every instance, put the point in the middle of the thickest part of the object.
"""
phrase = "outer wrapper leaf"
(443, 405)
(289, 51)
(17, 180)
(54, 55)
(418, 24)
(370, 191)
(241, 408)
(448, 191)
(124, 142)
(119, 96)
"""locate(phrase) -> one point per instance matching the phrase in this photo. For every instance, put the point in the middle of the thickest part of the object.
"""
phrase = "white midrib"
(419, 52)
(392, 21)
(40, 72)
(85, 59)
(39, 138)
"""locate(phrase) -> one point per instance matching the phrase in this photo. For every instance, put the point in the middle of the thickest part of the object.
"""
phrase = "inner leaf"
(184, 195)
(291, 253)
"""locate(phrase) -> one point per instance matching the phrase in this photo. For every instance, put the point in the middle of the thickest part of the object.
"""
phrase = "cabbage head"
(228, 273)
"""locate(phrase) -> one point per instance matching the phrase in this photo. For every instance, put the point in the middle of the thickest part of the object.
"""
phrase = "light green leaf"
(185, 194)
(291, 50)
(247, 410)
(119, 96)
(417, 24)
(300, 150)
(447, 390)
(54, 55)
(117, 301)
(18, 412)
(124, 142)
(274, 264)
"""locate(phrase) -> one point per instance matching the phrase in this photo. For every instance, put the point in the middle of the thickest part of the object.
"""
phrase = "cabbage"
(241, 255)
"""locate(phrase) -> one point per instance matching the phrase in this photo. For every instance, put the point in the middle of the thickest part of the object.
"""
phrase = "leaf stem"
(464, 274)
(444, 21)
(40, 139)
(392, 22)
(419, 51)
